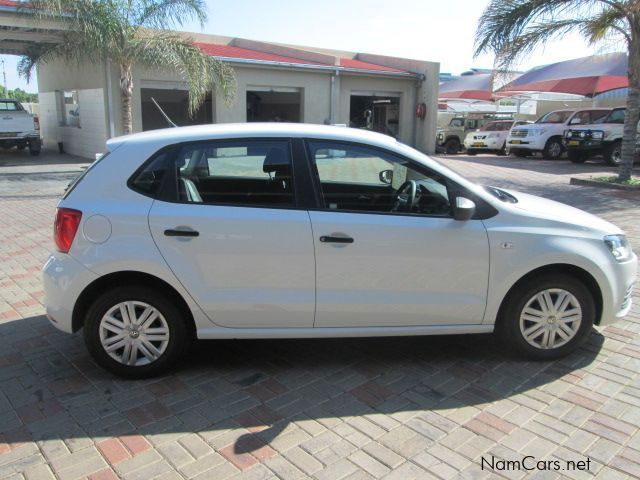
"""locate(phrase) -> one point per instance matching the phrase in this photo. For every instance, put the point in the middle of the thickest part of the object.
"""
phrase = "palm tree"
(513, 28)
(130, 33)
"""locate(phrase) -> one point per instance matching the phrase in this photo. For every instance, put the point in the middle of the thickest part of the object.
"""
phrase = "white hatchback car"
(281, 231)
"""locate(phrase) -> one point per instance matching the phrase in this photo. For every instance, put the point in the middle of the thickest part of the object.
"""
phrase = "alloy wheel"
(550, 319)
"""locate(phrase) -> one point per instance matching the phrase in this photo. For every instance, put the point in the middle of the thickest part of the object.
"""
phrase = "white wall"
(87, 139)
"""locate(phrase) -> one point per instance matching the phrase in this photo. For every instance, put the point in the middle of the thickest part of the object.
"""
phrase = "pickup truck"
(18, 128)
(546, 135)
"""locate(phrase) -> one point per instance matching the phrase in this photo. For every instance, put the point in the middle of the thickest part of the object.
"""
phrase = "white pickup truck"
(18, 128)
(546, 135)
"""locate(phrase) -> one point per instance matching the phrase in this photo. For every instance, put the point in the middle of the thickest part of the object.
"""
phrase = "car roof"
(169, 136)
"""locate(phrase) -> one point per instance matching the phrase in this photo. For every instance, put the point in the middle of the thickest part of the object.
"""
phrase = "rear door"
(234, 235)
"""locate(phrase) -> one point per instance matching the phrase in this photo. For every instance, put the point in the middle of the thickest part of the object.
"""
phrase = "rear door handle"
(181, 233)
(330, 239)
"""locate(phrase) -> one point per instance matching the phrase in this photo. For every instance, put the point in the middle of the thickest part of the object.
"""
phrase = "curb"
(595, 183)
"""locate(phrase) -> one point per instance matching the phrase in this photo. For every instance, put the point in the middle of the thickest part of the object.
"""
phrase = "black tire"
(508, 324)
(21, 146)
(576, 156)
(471, 151)
(503, 151)
(452, 146)
(553, 149)
(179, 334)
(613, 153)
(520, 153)
(34, 147)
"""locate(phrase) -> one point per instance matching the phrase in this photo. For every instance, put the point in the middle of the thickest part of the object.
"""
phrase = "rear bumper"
(64, 279)
(21, 136)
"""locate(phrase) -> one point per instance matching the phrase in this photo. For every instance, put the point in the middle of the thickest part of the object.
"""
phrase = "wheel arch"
(119, 279)
(580, 273)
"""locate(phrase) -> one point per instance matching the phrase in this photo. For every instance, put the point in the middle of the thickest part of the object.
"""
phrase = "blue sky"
(436, 30)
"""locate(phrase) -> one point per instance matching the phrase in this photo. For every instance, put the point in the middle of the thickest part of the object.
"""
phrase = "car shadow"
(257, 388)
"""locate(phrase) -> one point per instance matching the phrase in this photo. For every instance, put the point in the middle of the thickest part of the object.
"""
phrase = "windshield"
(616, 116)
(497, 126)
(555, 117)
(456, 122)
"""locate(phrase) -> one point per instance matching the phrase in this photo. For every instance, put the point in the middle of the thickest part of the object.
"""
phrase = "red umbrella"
(586, 76)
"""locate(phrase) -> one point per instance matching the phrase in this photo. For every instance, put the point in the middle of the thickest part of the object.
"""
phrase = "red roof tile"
(9, 3)
(230, 51)
(360, 65)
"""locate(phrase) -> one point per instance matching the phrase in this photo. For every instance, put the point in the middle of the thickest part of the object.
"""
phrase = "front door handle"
(330, 239)
(181, 233)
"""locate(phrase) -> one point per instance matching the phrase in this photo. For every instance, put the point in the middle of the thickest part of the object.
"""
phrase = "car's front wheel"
(135, 332)
(547, 317)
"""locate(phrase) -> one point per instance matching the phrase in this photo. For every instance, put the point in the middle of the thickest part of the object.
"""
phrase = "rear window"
(9, 106)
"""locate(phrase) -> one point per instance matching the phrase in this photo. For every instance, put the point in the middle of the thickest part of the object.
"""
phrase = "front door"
(388, 252)
(233, 236)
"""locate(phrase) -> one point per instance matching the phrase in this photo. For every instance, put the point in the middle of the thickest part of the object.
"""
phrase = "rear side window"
(236, 172)
(147, 181)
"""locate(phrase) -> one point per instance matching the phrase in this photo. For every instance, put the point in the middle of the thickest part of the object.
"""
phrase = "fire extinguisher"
(421, 111)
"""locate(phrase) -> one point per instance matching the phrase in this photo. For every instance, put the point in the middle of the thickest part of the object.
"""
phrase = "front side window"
(358, 178)
(238, 172)
(616, 116)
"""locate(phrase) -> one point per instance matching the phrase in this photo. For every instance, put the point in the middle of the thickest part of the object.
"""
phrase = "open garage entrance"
(274, 104)
(174, 102)
(373, 112)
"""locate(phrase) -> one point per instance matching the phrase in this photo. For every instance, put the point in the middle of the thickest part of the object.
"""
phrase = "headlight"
(597, 135)
(619, 247)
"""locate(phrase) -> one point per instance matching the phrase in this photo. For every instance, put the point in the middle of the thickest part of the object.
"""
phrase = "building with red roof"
(80, 104)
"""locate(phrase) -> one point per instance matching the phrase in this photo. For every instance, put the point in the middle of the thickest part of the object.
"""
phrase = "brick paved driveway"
(329, 409)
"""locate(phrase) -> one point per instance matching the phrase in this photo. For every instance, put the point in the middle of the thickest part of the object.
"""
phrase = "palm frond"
(203, 73)
(70, 49)
(165, 14)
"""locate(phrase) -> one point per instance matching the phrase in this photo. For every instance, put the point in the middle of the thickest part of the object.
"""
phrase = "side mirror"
(386, 176)
(464, 209)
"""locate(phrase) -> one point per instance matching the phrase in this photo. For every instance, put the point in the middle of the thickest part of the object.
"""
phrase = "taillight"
(36, 122)
(65, 227)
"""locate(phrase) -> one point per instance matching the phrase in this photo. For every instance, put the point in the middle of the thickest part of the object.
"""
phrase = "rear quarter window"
(148, 179)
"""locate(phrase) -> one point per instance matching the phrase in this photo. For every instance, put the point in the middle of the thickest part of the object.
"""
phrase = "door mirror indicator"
(464, 209)
(386, 176)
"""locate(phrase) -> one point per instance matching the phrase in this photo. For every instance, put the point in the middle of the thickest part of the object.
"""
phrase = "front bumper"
(526, 143)
(580, 144)
(486, 144)
(621, 280)
(64, 279)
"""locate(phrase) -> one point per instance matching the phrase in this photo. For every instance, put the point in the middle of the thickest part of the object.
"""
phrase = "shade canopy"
(468, 87)
(586, 76)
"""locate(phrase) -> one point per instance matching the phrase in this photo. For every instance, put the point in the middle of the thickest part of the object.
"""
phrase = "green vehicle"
(450, 138)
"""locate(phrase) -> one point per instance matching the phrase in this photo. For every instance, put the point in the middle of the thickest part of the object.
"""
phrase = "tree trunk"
(632, 115)
(126, 89)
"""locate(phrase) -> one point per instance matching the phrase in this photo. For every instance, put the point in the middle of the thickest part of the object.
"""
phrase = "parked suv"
(292, 230)
(492, 137)
(603, 137)
(450, 138)
(547, 133)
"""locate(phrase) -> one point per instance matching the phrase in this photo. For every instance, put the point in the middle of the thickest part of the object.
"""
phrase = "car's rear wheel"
(547, 317)
(135, 332)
